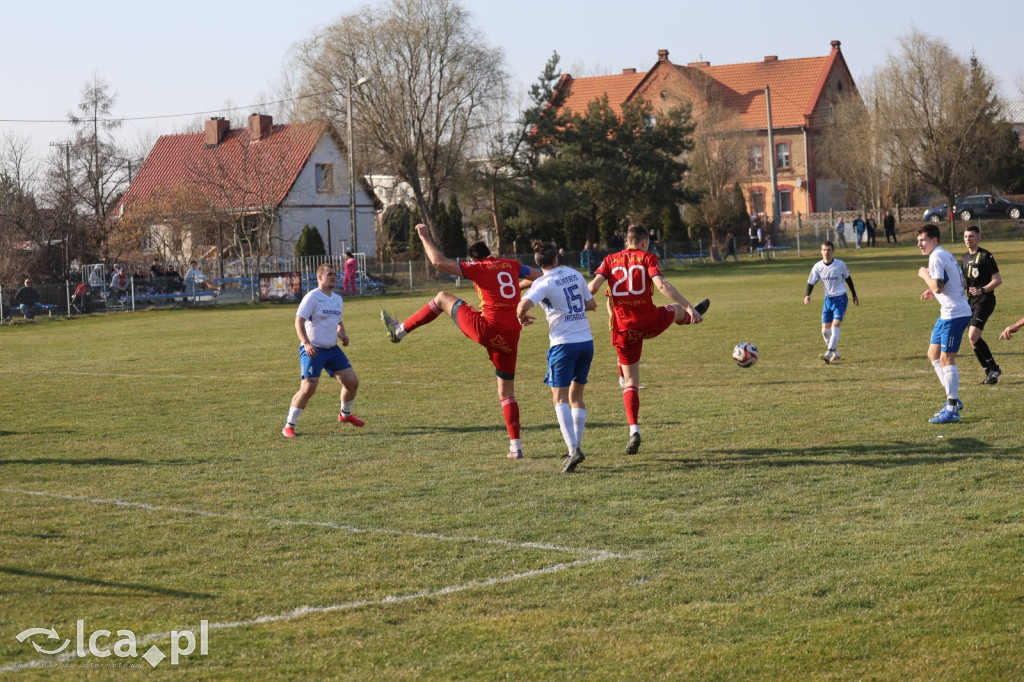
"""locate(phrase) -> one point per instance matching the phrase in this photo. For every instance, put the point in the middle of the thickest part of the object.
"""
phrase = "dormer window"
(324, 178)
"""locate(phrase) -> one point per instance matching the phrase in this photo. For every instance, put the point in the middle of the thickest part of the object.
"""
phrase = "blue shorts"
(330, 359)
(948, 333)
(834, 308)
(568, 363)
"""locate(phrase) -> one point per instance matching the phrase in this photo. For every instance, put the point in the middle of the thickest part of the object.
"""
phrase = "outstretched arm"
(434, 255)
(1012, 329)
(670, 292)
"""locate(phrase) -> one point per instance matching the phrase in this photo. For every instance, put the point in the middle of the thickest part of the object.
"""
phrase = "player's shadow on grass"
(882, 455)
(134, 588)
(91, 461)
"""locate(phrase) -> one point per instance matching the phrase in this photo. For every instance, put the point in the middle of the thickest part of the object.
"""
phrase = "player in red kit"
(632, 274)
(495, 326)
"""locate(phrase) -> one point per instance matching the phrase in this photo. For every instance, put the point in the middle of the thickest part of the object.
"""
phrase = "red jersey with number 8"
(497, 284)
(630, 287)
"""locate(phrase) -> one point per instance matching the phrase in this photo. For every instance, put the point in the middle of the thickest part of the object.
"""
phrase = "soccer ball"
(745, 354)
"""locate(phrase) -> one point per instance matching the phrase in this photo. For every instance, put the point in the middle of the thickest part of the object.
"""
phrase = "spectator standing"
(755, 235)
(348, 282)
(616, 243)
(872, 227)
(27, 299)
(889, 223)
(859, 227)
(730, 247)
(841, 233)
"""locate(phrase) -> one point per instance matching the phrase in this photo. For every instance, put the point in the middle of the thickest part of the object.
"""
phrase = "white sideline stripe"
(320, 524)
(347, 606)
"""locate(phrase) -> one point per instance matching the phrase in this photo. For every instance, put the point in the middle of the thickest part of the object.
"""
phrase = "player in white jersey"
(563, 294)
(834, 277)
(319, 327)
(945, 282)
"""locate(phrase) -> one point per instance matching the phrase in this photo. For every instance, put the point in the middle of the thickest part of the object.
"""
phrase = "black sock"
(984, 355)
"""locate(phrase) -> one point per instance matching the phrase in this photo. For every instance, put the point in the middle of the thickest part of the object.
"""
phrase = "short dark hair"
(973, 228)
(931, 231)
(637, 232)
(828, 243)
(544, 253)
(478, 250)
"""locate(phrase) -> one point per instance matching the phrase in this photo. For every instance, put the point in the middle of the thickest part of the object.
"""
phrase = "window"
(782, 155)
(785, 201)
(650, 121)
(757, 202)
(756, 159)
(325, 177)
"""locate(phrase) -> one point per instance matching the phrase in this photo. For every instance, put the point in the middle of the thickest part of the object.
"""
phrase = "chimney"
(215, 130)
(699, 64)
(628, 72)
(662, 55)
(835, 44)
(259, 126)
(772, 58)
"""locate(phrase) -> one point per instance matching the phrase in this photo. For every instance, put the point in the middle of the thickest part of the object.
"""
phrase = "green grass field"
(790, 521)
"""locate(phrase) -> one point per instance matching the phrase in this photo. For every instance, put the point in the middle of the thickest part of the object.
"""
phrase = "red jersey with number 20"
(630, 286)
(497, 284)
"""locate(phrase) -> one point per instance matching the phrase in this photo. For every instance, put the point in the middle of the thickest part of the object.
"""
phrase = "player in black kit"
(981, 276)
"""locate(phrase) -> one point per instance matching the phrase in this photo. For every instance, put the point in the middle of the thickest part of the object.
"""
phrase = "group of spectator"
(865, 230)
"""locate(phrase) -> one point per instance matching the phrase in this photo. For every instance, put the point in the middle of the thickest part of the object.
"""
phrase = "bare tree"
(716, 164)
(936, 114)
(432, 76)
(96, 164)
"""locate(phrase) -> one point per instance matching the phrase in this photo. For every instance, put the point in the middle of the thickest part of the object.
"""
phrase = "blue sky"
(188, 56)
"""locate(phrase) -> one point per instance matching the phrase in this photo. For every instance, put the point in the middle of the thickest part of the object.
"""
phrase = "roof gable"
(239, 173)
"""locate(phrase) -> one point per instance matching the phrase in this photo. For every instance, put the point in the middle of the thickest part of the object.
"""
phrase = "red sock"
(427, 313)
(631, 399)
(510, 409)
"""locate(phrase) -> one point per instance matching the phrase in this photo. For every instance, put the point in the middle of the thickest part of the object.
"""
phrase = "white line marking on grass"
(320, 524)
(347, 606)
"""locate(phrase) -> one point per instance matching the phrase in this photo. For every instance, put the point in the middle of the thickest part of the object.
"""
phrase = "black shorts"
(982, 308)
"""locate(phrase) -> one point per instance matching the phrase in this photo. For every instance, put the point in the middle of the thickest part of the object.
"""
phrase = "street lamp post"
(352, 165)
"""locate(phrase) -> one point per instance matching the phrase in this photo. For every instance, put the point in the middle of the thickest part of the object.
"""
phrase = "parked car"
(936, 214)
(986, 206)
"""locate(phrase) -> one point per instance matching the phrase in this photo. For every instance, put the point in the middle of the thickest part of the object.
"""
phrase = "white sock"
(293, 416)
(515, 445)
(826, 333)
(634, 428)
(564, 414)
(834, 342)
(346, 408)
(400, 332)
(579, 421)
(952, 382)
(937, 364)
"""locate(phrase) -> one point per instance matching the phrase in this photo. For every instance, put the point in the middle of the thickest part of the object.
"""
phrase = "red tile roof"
(583, 91)
(236, 174)
(796, 85)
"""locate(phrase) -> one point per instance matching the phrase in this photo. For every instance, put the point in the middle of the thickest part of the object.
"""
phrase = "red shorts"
(502, 344)
(629, 343)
